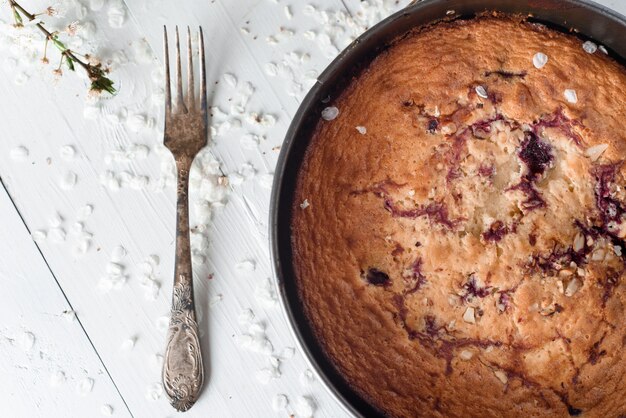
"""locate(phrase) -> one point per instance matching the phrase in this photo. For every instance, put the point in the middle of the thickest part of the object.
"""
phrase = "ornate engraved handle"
(183, 371)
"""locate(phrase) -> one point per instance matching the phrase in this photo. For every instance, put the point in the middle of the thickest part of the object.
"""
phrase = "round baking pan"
(585, 19)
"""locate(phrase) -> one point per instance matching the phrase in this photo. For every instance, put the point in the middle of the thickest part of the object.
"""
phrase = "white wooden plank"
(44, 119)
(617, 5)
(46, 355)
(143, 222)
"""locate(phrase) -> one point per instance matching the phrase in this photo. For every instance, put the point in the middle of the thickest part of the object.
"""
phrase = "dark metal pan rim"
(585, 19)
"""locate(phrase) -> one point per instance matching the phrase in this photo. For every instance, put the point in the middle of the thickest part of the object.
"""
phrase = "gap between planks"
(4, 189)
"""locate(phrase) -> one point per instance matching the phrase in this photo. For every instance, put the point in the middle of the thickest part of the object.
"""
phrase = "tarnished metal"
(185, 136)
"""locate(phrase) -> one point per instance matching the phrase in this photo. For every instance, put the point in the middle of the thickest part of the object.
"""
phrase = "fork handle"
(183, 371)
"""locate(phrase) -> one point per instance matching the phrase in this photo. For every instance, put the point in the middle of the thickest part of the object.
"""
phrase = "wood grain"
(44, 117)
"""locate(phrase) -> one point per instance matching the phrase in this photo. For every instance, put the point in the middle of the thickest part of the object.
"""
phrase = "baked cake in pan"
(458, 227)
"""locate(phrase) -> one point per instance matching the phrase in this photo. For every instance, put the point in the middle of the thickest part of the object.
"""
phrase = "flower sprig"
(95, 71)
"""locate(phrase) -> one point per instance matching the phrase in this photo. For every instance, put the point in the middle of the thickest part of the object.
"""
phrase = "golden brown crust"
(461, 257)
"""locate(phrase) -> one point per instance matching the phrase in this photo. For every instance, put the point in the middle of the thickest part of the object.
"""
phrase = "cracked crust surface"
(463, 256)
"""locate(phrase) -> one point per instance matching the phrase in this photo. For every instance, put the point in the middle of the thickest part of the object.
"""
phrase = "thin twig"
(96, 74)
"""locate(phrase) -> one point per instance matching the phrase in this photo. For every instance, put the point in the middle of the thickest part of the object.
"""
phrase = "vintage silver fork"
(185, 136)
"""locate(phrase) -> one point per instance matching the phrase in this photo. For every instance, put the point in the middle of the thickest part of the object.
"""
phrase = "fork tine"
(180, 103)
(191, 99)
(168, 90)
(203, 104)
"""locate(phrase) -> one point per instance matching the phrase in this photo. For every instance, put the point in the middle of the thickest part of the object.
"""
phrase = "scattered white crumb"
(466, 355)
(304, 407)
(27, 340)
(256, 342)
(68, 180)
(501, 375)
(19, 153)
(305, 204)
(55, 220)
(152, 289)
(540, 60)
(266, 180)
(215, 299)
(96, 5)
(202, 211)
(265, 294)
(481, 91)
(250, 141)
(80, 10)
(118, 253)
(119, 58)
(256, 328)
(128, 344)
(39, 235)
(116, 13)
(142, 51)
(67, 152)
(288, 13)
(271, 69)
(287, 353)
(163, 323)
(280, 402)
(157, 360)
(114, 278)
(154, 391)
(362, 130)
(153, 259)
(197, 258)
(86, 29)
(57, 235)
(81, 247)
(57, 378)
(77, 228)
(330, 113)
(245, 266)
(235, 179)
(570, 96)
(307, 378)
(469, 316)
(114, 269)
(112, 282)
(268, 373)
(85, 212)
(246, 317)
(590, 47)
(69, 315)
(84, 386)
(247, 171)
(147, 279)
(106, 410)
(230, 79)
(137, 122)
(128, 154)
(595, 152)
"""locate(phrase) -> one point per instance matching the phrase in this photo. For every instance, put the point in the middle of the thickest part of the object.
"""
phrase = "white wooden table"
(76, 338)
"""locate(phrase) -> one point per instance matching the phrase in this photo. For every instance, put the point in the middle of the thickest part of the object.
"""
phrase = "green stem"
(16, 15)
(100, 81)
(60, 46)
